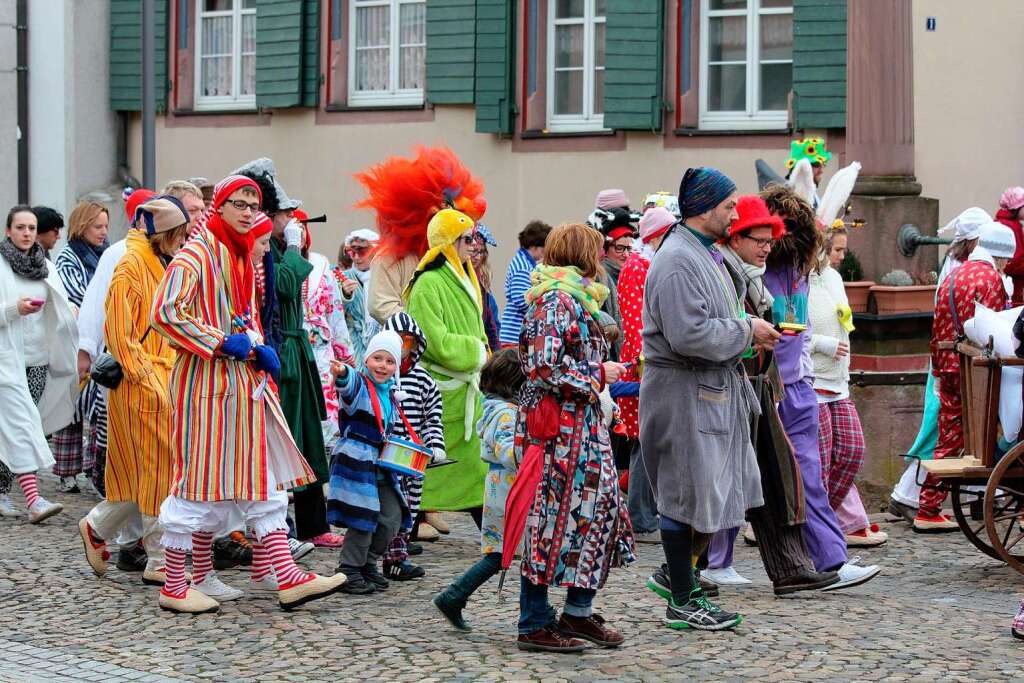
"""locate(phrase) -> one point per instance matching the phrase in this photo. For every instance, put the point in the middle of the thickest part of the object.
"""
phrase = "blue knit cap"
(702, 189)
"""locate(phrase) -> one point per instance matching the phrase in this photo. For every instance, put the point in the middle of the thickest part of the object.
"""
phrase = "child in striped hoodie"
(361, 495)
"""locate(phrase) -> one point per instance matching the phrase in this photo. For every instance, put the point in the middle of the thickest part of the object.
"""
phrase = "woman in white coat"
(38, 369)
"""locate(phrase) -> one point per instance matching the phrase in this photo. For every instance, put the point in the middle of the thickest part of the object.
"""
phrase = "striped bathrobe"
(220, 417)
(140, 421)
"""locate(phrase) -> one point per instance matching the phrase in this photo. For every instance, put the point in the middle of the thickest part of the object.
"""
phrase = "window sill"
(569, 141)
(205, 118)
(543, 134)
(703, 132)
(241, 111)
(344, 108)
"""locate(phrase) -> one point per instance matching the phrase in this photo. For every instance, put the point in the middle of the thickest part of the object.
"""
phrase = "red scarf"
(239, 245)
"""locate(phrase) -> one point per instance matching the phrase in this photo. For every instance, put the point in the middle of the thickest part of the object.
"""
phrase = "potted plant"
(856, 286)
(899, 292)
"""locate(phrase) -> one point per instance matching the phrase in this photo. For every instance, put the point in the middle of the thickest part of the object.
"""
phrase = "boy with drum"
(362, 495)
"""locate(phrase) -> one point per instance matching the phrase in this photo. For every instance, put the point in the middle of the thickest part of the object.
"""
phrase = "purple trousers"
(824, 539)
(720, 548)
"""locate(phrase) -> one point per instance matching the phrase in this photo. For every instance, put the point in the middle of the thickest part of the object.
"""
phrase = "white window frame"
(394, 96)
(588, 121)
(222, 102)
(752, 118)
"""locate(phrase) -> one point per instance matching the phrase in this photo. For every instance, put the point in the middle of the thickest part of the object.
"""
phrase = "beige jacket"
(388, 279)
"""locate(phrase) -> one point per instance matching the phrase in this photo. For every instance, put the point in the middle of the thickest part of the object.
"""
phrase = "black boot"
(132, 558)
(373, 575)
(356, 583)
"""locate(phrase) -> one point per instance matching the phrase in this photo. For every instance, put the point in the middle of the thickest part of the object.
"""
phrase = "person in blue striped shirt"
(517, 280)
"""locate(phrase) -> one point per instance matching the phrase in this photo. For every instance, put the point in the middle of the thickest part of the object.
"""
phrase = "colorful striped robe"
(140, 457)
(221, 421)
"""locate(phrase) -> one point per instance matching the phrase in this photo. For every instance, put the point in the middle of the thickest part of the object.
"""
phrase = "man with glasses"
(302, 396)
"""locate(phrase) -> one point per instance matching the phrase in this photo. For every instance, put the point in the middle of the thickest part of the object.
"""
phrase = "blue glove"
(237, 346)
(267, 360)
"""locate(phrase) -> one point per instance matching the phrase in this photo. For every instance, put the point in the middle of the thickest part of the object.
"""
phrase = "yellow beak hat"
(443, 231)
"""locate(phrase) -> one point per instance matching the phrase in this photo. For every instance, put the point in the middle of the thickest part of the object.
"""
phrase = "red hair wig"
(406, 193)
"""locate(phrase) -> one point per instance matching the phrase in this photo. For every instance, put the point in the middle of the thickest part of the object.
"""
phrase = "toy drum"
(404, 457)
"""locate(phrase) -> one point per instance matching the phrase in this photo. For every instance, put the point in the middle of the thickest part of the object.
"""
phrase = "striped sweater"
(221, 421)
(517, 281)
(419, 396)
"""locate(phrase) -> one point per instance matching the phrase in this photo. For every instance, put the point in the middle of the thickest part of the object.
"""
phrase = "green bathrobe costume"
(302, 398)
(448, 311)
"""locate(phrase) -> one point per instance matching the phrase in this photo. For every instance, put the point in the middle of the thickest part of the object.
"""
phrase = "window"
(575, 97)
(387, 51)
(226, 55)
(746, 63)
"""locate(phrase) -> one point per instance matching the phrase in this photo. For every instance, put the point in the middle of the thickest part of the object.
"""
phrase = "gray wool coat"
(695, 399)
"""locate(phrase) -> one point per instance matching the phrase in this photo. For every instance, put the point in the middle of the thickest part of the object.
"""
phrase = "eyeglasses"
(242, 205)
(620, 248)
(761, 242)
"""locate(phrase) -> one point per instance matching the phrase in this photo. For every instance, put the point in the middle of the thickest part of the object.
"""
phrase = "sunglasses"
(357, 251)
(467, 239)
(242, 205)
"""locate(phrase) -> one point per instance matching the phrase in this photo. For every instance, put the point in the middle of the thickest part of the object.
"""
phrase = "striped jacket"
(517, 281)
(352, 499)
(72, 274)
(419, 396)
(220, 419)
(141, 424)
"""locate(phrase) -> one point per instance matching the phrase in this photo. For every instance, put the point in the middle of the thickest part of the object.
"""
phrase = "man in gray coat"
(695, 400)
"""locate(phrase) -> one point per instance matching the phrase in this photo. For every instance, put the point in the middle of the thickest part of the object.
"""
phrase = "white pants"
(907, 490)
(108, 519)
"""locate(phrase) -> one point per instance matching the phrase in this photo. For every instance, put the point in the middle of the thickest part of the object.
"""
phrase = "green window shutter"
(311, 53)
(495, 100)
(126, 55)
(634, 64)
(279, 51)
(451, 44)
(819, 63)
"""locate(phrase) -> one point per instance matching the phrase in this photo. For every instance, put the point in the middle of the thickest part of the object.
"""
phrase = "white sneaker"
(7, 508)
(43, 509)
(726, 576)
(213, 587)
(67, 485)
(86, 486)
(266, 586)
(300, 548)
(852, 575)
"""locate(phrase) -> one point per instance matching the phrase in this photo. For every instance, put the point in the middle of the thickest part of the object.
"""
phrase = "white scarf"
(758, 295)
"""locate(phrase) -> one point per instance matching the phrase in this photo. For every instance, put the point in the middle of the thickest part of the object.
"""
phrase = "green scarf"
(589, 293)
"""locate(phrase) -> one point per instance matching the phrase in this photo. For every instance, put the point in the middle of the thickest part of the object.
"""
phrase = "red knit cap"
(226, 187)
(754, 213)
(133, 199)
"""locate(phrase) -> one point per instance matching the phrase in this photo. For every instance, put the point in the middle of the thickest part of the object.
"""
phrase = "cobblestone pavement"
(940, 611)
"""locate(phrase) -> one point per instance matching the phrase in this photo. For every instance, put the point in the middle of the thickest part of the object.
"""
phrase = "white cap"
(997, 240)
(387, 341)
(967, 226)
(362, 234)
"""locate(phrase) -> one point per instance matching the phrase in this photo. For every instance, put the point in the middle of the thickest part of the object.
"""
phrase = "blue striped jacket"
(517, 281)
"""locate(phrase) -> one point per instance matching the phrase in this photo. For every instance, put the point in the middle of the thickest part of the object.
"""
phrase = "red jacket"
(976, 282)
(631, 305)
(1015, 268)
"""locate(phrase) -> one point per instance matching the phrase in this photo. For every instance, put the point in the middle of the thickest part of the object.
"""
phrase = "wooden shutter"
(311, 53)
(279, 52)
(451, 44)
(495, 98)
(126, 55)
(819, 63)
(634, 64)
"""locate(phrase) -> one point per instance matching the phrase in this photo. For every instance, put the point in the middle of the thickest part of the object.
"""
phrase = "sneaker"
(43, 510)
(212, 587)
(902, 511)
(726, 576)
(7, 508)
(939, 524)
(327, 540)
(266, 587)
(357, 583)
(299, 548)
(662, 585)
(549, 639)
(85, 485)
(132, 558)
(67, 485)
(403, 571)
(869, 537)
(373, 575)
(850, 574)
(451, 612)
(700, 614)
(231, 551)
(649, 536)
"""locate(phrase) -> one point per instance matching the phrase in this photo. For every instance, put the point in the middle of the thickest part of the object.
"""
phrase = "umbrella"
(520, 499)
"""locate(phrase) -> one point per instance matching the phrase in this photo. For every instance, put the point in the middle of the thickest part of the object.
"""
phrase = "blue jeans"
(461, 588)
(535, 612)
(643, 509)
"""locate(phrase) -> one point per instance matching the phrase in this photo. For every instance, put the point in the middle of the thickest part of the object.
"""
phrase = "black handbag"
(106, 371)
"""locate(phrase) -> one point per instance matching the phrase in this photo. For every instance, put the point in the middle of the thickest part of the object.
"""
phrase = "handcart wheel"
(1004, 508)
(968, 507)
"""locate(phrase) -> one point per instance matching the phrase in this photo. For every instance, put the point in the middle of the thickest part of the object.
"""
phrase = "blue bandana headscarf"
(702, 189)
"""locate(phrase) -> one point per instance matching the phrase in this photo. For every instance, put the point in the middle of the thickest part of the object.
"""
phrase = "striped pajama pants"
(841, 447)
(398, 549)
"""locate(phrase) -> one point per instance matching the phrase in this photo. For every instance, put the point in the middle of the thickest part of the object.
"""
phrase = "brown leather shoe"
(590, 628)
(549, 639)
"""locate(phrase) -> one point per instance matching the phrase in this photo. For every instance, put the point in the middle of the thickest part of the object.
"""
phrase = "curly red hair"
(406, 193)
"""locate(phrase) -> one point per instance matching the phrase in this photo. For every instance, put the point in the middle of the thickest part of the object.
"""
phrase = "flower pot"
(888, 300)
(857, 294)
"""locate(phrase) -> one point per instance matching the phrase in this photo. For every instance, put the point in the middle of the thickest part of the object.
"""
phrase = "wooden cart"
(986, 491)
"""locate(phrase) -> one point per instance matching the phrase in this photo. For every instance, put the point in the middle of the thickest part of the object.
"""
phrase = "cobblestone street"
(939, 611)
